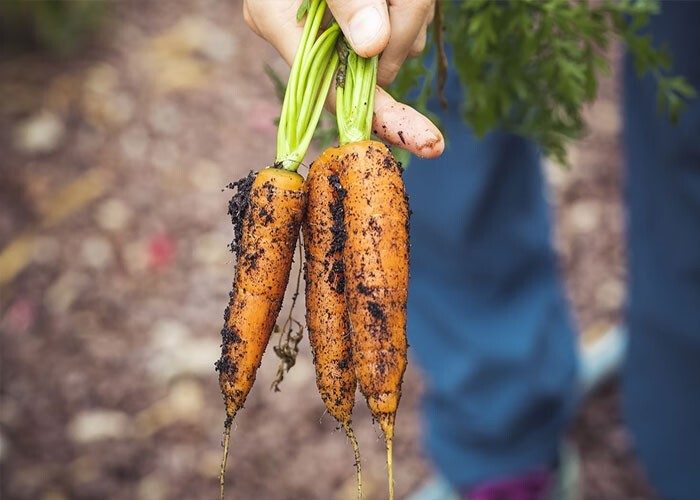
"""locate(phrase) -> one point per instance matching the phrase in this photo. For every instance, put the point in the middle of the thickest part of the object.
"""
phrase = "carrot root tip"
(347, 426)
(224, 458)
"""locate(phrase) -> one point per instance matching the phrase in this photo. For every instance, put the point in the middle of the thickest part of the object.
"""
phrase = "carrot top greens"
(354, 102)
(311, 75)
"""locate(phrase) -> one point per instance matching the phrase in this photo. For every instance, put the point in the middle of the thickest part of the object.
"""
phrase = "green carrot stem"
(309, 81)
(355, 97)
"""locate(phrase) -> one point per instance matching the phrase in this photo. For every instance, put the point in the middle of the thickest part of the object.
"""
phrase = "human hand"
(396, 28)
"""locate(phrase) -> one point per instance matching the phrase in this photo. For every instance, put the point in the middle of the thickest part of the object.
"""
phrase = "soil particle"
(266, 216)
(269, 188)
(251, 259)
(338, 213)
(375, 227)
(363, 289)
(337, 276)
(403, 141)
(376, 310)
(238, 209)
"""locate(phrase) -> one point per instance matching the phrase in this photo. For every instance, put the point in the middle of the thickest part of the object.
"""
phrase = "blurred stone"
(152, 488)
(584, 216)
(134, 143)
(84, 470)
(165, 119)
(54, 494)
(212, 249)
(47, 250)
(182, 57)
(165, 154)
(206, 176)
(62, 92)
(113, 215)
(96, 252)
(209, 463)
(117, 109)
(175, 352)
(88, 139)
(167, 334)
(63, 292)
(101, 79)
(213, 42)
(136, 256)
(186, 400)
(41, 133)
(97, 425)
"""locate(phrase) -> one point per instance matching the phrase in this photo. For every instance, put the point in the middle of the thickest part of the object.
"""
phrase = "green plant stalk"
(309, 81)
(355, 97)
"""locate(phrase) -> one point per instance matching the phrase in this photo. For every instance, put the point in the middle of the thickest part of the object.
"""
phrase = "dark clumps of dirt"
(338, 214)
(223, 364)
(251, 259)
(403, 141)
(363, 289)
(376, 310)
(266, 216)
(344, 362)
(269, 187)
(337, 276)
(375, 227)
(228, 337)
(390, 163)
(227, 311)
(238, 209)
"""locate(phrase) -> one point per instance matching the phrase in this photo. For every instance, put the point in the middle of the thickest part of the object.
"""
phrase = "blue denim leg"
(488, 321)
(662, 377)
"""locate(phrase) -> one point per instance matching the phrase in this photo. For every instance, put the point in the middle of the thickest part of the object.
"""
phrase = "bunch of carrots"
(353, 213)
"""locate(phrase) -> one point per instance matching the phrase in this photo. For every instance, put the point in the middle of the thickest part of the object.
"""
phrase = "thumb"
(365, 23)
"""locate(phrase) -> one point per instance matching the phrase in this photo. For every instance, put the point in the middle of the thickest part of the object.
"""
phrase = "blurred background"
(120, 125)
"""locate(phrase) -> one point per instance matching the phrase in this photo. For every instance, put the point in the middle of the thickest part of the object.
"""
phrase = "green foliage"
(59, 26)
(531, 65)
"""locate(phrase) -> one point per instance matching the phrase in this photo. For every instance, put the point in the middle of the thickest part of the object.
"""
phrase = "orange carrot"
(326, 314)
(268, 212)
(376, 276)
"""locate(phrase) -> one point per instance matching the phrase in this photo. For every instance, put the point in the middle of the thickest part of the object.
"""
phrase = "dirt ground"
(114, 274)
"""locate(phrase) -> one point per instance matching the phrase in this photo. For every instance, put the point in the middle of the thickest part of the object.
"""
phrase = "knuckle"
(417, 49)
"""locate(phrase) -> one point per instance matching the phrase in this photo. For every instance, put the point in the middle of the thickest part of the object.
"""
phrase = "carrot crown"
(310, 79)
(355, 88)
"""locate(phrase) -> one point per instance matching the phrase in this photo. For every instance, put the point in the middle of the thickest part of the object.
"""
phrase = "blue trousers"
(488, 319)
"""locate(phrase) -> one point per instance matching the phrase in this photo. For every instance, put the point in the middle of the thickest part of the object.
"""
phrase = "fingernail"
(365, 27)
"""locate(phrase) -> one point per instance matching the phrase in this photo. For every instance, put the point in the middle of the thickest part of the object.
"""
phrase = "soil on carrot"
(238, 208)
(113, 166)
(338, 213)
